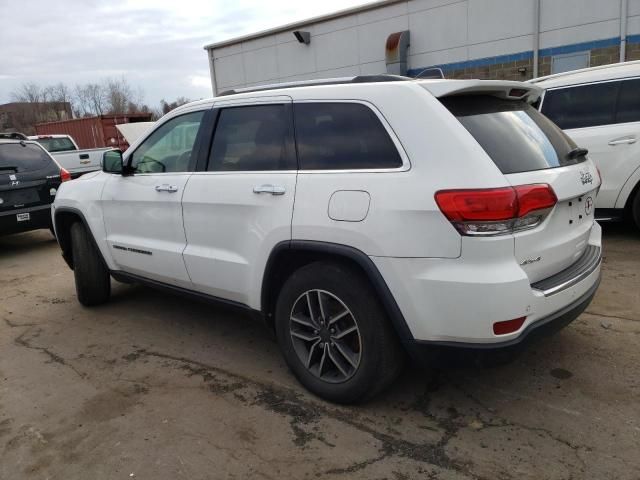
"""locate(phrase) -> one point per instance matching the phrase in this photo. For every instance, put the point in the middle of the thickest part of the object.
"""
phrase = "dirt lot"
(156, 387)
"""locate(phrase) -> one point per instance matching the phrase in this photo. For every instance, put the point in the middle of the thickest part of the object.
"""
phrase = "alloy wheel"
(325, 336)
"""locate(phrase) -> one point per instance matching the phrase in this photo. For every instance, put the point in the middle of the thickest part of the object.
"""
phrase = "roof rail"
(13, 136)
(584, 70)
(322, 81)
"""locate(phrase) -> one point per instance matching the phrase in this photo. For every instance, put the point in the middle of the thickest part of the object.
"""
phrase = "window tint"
(56, 144)
(23, 157)
(629, 102)
(515, 135)
(169, 148)
(251, 138)
(582, 106)
(337, 136)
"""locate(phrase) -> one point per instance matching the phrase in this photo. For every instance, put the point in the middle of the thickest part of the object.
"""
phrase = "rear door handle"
(622, 141)
(84, 156)
(166, 188)
(272, 189)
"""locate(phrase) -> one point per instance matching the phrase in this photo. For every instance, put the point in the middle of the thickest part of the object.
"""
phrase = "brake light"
(508, 326)
(496, 211)
(64, 175)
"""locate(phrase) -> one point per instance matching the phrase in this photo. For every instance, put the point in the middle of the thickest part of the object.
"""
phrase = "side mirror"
(112, 161)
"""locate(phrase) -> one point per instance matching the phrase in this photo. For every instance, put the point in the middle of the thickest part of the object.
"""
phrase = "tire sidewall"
(352, 290)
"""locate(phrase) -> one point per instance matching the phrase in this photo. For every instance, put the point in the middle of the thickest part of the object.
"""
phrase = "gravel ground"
(151, 386)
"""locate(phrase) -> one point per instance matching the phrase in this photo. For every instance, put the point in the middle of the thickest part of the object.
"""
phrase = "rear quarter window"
(342, 136)
(23, 157)
(515, 135)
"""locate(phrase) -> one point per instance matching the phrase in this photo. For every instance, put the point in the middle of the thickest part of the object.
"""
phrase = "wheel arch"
(63, 219)
(628, 191)
(288, 256)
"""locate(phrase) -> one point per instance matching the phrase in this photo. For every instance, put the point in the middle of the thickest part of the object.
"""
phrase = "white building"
(506, 39)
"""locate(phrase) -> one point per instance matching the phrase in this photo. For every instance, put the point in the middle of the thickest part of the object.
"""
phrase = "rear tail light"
(508, 326)
(497, 211)
(64, 175)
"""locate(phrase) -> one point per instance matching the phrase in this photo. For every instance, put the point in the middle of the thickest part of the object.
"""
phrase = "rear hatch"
(529, 149)
(28, 176)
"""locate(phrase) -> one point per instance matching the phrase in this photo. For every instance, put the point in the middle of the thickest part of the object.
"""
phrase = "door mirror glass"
(112, 161)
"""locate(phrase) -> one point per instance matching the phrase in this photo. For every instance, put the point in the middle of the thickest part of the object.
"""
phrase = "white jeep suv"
(361, 217)
(599, 108)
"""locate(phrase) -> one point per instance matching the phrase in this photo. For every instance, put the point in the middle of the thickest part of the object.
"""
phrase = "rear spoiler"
(497, 88)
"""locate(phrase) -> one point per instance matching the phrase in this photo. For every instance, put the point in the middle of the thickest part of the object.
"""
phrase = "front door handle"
(166, 188)
(272, 189)
(622, 141)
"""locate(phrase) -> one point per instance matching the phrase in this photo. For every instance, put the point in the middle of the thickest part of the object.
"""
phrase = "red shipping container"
(94, 132)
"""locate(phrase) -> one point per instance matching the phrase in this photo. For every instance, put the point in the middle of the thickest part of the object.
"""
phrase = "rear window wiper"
(577, 153)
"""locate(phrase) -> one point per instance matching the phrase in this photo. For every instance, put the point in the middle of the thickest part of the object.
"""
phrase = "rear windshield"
(23, 157)
(515, 135)
(56, 144)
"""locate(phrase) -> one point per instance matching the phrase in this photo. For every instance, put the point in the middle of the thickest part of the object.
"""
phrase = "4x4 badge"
(586, 177)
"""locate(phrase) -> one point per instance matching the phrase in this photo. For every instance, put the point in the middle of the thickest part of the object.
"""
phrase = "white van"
(600, 110)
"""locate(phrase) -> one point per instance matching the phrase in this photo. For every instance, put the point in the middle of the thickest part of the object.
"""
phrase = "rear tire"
(635, 209)
(93, 283)
(347, 327)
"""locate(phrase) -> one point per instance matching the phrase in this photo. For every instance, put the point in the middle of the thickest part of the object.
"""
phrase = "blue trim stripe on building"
(516, 57)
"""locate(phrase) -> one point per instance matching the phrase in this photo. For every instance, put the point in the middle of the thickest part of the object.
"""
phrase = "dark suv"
(29, 181)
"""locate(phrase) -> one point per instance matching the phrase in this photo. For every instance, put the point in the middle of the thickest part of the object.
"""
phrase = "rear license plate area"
(581, 209)
(23, 217)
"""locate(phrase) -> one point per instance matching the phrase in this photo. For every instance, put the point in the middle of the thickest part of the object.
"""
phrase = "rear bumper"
(40, 217)
(538, 329)
(455, 302)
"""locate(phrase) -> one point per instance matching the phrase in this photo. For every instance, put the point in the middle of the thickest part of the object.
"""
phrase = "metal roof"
(291, 26)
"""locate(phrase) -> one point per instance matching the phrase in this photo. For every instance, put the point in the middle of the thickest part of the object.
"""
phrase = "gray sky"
(155, 44)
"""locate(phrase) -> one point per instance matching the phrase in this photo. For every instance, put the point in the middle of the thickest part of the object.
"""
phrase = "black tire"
(93, 283)
(635, 209)
(380, 356)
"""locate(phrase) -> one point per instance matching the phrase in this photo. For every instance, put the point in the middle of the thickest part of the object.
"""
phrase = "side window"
(169, 148)
(341, 136)
(583, 106)
(629, 102)
(251, 138)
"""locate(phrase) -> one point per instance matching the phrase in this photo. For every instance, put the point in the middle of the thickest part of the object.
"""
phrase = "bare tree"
(97, 100)
(166, 107)
(61, 93)
(28, 93)
(121, 97)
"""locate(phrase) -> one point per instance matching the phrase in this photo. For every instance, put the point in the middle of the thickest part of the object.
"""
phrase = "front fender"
(82, 198)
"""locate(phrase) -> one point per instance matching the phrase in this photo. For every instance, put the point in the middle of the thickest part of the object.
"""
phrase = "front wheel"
(334, 334)
(93, 283)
